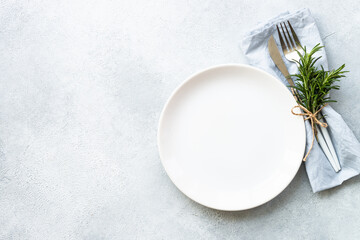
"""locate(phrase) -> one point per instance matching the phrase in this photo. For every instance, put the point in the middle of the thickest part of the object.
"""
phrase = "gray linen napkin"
(319, 170)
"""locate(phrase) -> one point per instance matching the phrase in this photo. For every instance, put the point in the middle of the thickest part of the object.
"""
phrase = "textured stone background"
(82, 86)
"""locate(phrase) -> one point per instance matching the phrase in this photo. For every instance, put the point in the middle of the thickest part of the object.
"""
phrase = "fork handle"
(330, 145)
(324, 146)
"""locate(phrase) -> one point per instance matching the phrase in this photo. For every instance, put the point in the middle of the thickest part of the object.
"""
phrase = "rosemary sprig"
(312, 83)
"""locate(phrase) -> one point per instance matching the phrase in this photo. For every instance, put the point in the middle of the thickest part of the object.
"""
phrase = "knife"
(279, 62)
(277, 58)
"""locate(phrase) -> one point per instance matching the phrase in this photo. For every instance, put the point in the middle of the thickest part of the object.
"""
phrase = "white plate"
(227, 138)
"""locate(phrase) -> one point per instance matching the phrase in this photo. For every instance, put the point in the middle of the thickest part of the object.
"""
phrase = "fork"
(291, 46)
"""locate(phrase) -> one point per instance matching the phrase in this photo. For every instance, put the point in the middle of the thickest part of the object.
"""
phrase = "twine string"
(308, 115)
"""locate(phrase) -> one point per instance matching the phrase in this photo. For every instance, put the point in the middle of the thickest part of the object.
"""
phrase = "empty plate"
(227, 138)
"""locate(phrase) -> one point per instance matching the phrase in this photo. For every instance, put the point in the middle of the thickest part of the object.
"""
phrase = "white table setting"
(179, 120)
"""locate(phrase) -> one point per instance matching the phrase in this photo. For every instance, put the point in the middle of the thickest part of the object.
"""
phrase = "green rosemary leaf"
(312, 83)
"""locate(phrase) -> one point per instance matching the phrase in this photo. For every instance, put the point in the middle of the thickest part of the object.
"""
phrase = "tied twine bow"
(313, 119)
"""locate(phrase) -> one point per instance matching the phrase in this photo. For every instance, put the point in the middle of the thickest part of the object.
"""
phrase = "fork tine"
(289, 36)
(298, 44)
(283, 46)
(287, 41)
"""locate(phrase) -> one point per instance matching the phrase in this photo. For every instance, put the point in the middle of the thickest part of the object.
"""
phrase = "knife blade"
(279, 62)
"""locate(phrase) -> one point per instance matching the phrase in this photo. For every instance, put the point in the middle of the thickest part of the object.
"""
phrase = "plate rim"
(174, 92)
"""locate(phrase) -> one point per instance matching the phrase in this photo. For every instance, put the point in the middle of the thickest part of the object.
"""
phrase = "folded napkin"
(319, 170)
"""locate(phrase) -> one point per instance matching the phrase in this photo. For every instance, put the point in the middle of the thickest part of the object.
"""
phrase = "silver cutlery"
(290, 45)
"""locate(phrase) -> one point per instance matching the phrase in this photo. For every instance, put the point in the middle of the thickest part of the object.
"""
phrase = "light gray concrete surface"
(82, 87)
